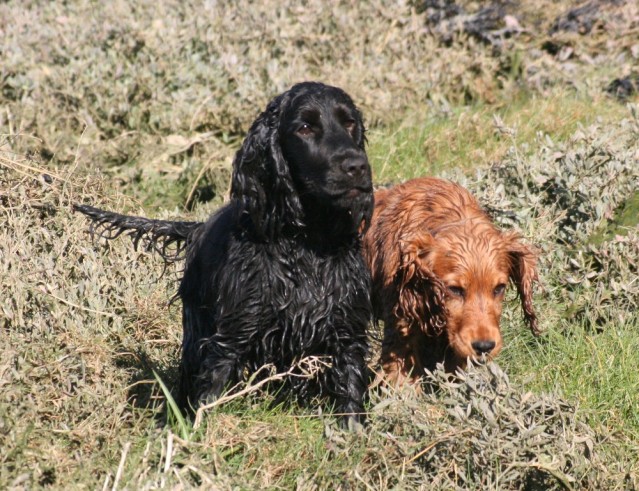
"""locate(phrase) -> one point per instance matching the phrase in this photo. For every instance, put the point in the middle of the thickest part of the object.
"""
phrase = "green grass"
(625, 218)
(469, 136)
(599, 370)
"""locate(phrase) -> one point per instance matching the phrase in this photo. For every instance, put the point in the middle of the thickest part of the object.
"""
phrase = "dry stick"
(204, 168)
(169, 452)
(13, 164)
(107, 478)
(71, 304)
(436, 442)
(118, 474)
(312, 362)
(361, 479)
(195, 183)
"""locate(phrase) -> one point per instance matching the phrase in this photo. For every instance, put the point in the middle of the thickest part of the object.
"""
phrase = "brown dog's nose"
(483, 347)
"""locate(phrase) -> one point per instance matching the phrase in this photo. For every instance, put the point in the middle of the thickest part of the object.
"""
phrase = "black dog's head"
(303, 165)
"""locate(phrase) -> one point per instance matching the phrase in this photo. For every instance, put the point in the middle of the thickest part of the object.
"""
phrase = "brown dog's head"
(454, 279)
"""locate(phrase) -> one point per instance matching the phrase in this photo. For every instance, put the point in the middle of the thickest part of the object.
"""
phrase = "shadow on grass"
(144, 391)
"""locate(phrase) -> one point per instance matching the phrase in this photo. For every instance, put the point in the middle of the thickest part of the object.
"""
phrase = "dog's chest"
(305, 280)
(289, 285)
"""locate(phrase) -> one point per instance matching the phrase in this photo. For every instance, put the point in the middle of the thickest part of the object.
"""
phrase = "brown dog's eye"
(499, 290)
(457, 291)
(305, 130)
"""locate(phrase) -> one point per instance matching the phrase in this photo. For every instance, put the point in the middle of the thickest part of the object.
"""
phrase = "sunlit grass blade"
(173, 413)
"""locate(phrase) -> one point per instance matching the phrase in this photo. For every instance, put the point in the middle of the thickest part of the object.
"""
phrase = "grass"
(626, 217)
(114, 330)
(597, 370)
(468, 136)
(141, 112)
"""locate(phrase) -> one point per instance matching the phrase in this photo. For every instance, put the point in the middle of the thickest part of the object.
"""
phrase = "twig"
(169, 452)
(107, 478)
(436, 442)
(71, 304)
(189, 198)
(312, 366)
(118, 474)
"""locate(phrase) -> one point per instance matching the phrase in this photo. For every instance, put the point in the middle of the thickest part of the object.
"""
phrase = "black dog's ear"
(261, 179)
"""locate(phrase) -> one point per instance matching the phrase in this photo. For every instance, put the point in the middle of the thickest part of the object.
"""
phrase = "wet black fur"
(167, 238)
(277, 274)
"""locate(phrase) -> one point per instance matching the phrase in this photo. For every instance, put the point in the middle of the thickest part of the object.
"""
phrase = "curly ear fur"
(421, 293)
(523, 273)
(261, 180)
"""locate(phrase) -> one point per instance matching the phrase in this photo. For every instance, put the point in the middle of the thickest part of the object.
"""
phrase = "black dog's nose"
(483, 347)
(355, 166)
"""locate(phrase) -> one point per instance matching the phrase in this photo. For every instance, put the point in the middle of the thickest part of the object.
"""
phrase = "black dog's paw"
(354, 422)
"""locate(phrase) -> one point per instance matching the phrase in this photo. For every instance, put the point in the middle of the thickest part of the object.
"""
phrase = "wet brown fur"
(439, 268)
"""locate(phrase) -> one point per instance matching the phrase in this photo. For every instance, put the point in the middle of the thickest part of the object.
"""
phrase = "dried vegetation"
(150, 92)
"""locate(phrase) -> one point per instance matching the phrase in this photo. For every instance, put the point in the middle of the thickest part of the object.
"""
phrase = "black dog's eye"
(350, 125)
(305, 130)
(499, 290)
(457, 291)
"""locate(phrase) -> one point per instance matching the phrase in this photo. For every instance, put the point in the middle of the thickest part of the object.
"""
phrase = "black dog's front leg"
(207, 370)
(348, 377)
(201, 387)
(221, 369)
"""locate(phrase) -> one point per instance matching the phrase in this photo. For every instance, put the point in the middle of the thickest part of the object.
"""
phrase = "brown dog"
(440, 269)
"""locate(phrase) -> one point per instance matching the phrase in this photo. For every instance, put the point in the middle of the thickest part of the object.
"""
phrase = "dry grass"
(132, 104)
(149, 92)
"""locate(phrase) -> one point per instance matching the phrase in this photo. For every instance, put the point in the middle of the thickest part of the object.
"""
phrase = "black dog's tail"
(167, 238)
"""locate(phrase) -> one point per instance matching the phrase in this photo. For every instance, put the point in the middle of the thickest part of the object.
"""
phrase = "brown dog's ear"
(523, 273)
(421, 293)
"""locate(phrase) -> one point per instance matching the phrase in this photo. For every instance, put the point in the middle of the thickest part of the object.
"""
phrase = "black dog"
(277, 275)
